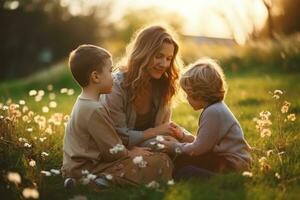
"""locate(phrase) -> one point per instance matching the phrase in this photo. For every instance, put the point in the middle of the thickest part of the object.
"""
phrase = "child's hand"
(163, 129)
(140, 151)
(177, 132)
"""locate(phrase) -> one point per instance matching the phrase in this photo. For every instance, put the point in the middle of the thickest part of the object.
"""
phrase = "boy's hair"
(204, 80)
(85, 59)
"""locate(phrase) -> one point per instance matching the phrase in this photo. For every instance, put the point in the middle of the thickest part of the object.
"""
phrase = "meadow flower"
(46, 173)
(45, 109)
(277, 175)
(248, 174)
(41, 93)
(139, 160)
(91, 176)
(85, 172)
(276, 96)
(291, 117)
(285, 107)
(108, 176)
(152, 143)
(63, 90)
(44, 154)
(269, 152)
(265, 115)
(22, 139)
(22, 102)
(29, 129)
(49, 130)
(160, 146)
(30, 193)
(171, 182)
(55, 171)
(70, 92)
(52, 96)
(153, 185)
(42, 139)
(38, 98)
(265, 132)
(41, 121)
(5, 107)
(25, 118)
(14, 177)
(32, 163)
(50, 87)
(278, 92)
(25, 109)
(32, 93)
(27, 145)
(159, 138)
(52, 104)
(117, 148)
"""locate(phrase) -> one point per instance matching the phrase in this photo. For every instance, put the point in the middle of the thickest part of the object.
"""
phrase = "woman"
(141, 97)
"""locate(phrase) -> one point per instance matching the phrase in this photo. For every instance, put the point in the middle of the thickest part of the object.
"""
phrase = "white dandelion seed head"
(32, 93)
(46, 173)
(108, 176)
(248, 174)
(153, 185)
(160, 146)
(55, 171)
(32, 163)
(30, 193)
(159, 138)
(14, 177)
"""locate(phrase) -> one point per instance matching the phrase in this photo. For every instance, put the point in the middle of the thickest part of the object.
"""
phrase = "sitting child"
(92, 149)
(219, 144)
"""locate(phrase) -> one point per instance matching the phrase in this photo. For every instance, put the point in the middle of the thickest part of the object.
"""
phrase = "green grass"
(249, 94)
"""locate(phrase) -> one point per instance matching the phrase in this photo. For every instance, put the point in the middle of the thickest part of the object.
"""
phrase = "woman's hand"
(169, 143)
(139, 151)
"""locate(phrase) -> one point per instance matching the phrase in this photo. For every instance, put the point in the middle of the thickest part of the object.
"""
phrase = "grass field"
(31, 137)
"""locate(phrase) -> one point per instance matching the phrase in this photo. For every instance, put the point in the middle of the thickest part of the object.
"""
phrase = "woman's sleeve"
(208, 135)
(115, 102)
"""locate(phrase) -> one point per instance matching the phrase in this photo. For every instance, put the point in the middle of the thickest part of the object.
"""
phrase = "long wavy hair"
(140, 53)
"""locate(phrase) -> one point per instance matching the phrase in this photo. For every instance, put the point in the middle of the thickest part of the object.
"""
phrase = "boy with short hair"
(219, 144)
(91, 144)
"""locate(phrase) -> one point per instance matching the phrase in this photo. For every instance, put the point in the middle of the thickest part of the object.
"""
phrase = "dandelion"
(117, 148)
(27, 145)
(277, 175)
(85, 172)
(248, 174)
(25, 109)
(49, 130)
(44, 154)
(139, 160)
(171, 182)
(291, 117)
(278, 92)
(52, 96)
(284, 109)
(70, 92)
(25, 118)
(29, 129)
(22, 102)
(38, 98)
(152, 143)
(14, 177)
(42, 139)
(159, 138)
(276, 96)
(108, 176)
(30, 193)
(91, 176)
(32, 92)
(153, 184)
(160, 146)
(50, 87)
(41, 93)
(269, 152)
(52, 104)
(55, 171)
(45, 109)
(265, 132)
(46, 173)
(5, 107)
(32, 163)
(1, 117)
(63, 90)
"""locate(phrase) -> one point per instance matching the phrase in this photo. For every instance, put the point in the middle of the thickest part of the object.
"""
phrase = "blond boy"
(92, 150)
(219, 144)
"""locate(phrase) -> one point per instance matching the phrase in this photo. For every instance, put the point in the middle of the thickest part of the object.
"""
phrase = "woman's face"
(161, 61)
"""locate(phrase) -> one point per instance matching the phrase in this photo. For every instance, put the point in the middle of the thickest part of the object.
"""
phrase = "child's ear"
(95, 77)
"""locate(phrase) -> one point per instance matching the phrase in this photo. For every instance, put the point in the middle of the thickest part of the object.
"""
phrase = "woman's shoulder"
(119, 77)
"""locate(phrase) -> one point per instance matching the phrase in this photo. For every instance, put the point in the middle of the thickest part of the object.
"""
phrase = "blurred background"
(243, 34)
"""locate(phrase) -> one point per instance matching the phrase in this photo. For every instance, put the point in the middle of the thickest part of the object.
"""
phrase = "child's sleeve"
(105, 137)
(208, 134)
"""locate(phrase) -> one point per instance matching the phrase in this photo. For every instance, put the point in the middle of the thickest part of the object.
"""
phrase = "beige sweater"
(88, 137)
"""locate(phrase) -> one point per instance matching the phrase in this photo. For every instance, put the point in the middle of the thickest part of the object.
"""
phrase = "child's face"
(195, 103)
(161, 61)
(106, 81)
